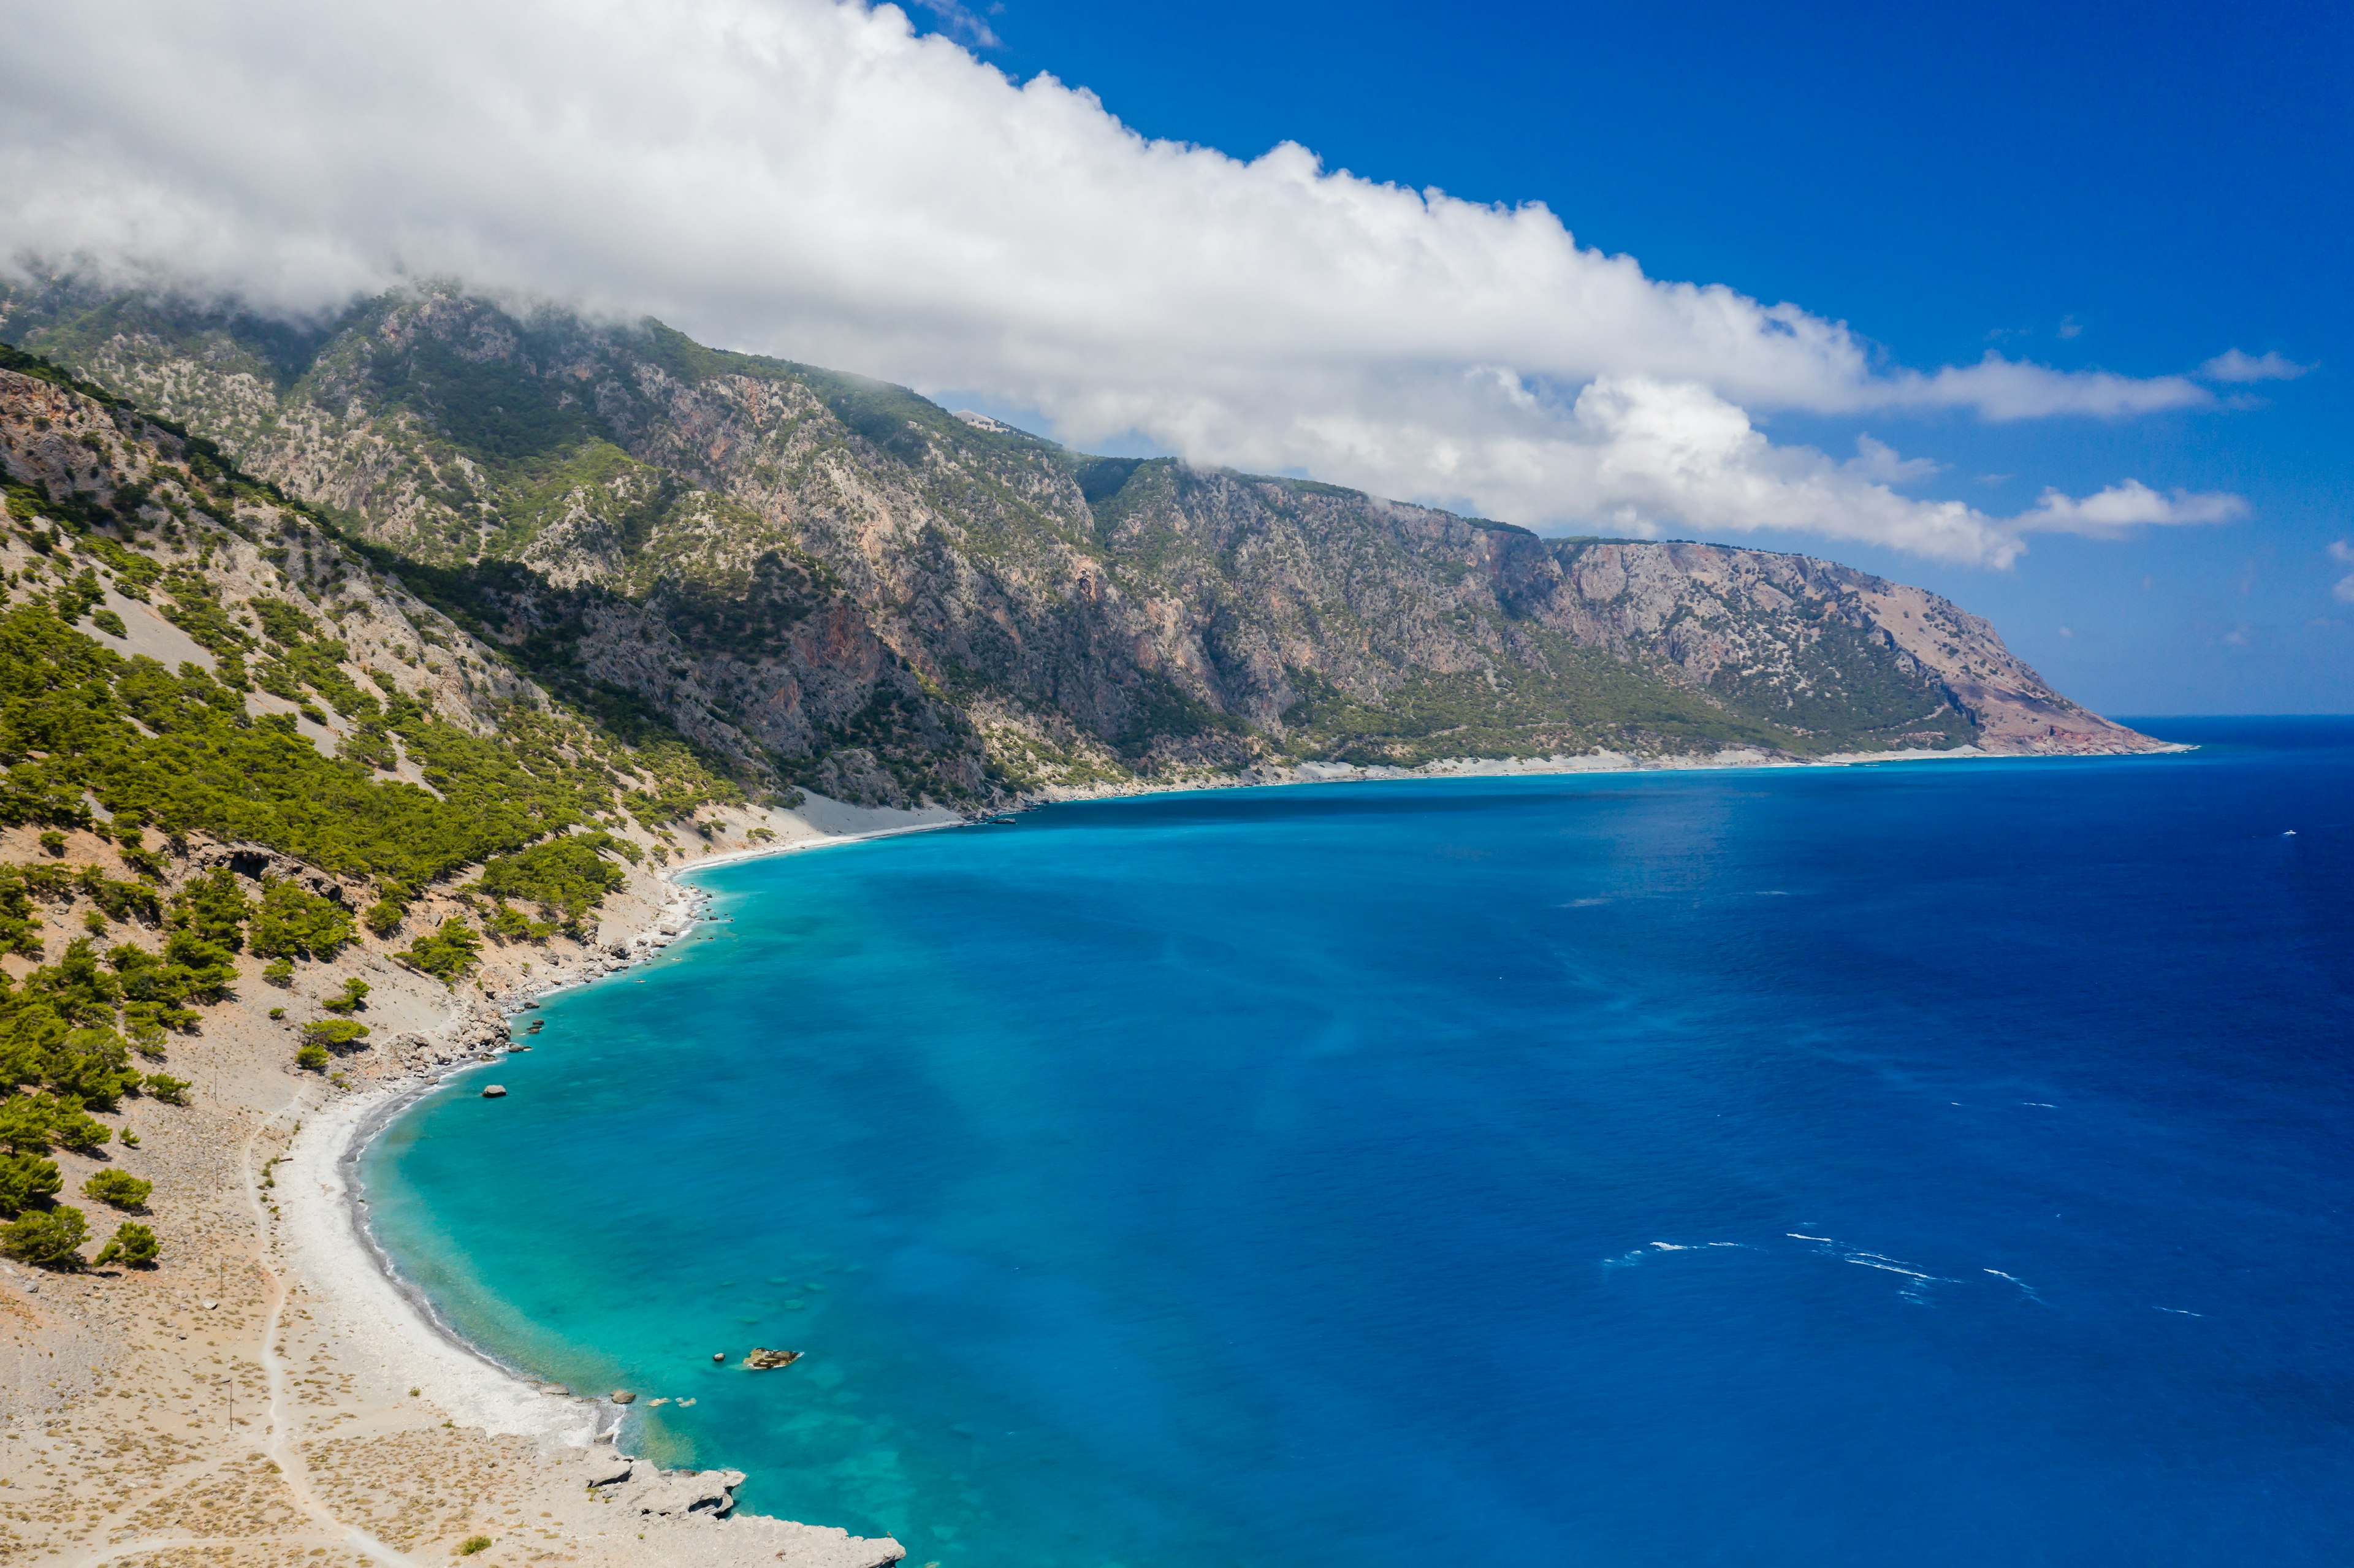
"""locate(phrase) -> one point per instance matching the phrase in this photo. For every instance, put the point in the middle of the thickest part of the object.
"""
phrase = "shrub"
(120, 900)
(279, 972)
(312, 1057)
(30, 1124)
(24, 1124)
(212, 908)
(25, 1181)
(448, 953)
(509, 924)
(336, 1033)
(295, 922)
(119, 1189)
(134, 1246)
(384, 917)
(47, 1238)
(111, 624)
(53, 842)
(474, 1543)
(81, 1133)
(352, 997)
(172, 1091)
(566, 877)
(277, 1012)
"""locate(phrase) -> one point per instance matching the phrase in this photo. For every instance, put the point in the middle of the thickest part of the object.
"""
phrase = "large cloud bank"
(814, 179)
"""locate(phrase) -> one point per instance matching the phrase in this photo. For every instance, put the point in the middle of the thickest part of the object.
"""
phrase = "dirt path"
(279, 1443)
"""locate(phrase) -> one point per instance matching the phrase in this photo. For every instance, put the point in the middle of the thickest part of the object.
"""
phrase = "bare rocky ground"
(227, 1407)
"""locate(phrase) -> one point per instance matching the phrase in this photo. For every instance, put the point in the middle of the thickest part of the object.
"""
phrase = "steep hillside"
(829, 582)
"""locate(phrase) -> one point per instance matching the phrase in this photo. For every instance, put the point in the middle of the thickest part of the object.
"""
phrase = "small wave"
(2178, 1311)
(2039, 1105)
(1653, 1249)
(2023, 1285)
(1892, 1268)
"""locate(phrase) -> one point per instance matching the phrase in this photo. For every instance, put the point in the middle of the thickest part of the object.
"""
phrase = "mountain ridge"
(830, 582)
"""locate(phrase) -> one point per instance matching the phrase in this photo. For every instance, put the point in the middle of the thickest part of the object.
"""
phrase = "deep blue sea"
(1929, 1164)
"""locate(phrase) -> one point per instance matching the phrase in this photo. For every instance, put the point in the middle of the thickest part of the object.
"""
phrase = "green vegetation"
(132, 1244)
(118, 1189)
(566, 877)
(352, 997)
(313, 1056)
(472, 1544)
(26, 1180)
(334, 1033)
(1584, 698)
(162, 1087)
(447, 953)
(46, 1238)
(292, 922)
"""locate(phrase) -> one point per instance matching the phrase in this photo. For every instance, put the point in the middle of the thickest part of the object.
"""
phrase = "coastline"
(1600, 761)
(337, 1260)
(339, 1263)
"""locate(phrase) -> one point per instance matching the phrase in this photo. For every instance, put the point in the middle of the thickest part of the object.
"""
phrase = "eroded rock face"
(650, 1489)
(838, 584)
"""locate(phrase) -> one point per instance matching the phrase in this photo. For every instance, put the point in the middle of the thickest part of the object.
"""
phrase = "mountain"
(819, 580)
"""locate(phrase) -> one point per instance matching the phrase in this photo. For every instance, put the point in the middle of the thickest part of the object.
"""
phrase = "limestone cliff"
(832, 582)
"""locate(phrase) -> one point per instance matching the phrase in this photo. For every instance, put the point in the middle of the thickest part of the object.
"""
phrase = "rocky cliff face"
(833, 582)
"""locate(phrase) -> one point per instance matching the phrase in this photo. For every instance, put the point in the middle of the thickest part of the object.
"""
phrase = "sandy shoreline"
(1545, 766)
(337, 1262)
(335, 1256)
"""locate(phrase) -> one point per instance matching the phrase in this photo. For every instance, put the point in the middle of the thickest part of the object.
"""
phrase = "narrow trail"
(279, 1443)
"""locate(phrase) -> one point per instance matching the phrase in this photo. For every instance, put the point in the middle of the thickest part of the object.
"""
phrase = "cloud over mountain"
(816, 180)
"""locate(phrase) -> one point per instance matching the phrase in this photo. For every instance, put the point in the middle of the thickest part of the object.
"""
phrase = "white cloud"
(2235, 367)
(2343, 553)
(1878, 461)
(814, 179)
(2132, 504)
(960, 22)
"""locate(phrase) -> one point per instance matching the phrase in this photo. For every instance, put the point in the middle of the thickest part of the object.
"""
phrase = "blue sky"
(2134, 187)
(2007, 301)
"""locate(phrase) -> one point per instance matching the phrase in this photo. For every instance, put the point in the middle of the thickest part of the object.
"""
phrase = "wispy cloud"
(960, 22)
(2343, 553)
(2235, 367)
(2122, 507)
(817, 179)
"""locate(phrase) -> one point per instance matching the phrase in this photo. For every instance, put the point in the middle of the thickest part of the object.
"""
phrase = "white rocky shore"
(1599, 761)
(348, 1280)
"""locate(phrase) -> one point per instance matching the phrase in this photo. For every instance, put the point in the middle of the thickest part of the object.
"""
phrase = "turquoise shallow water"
(1942, 1163)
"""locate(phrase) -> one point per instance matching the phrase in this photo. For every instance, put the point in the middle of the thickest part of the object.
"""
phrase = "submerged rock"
(762, 1360)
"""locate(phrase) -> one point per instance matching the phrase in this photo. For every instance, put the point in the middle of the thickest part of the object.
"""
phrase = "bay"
(1772, 1167)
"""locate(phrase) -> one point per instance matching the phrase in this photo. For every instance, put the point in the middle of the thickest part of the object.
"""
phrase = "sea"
(1929, 1164)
